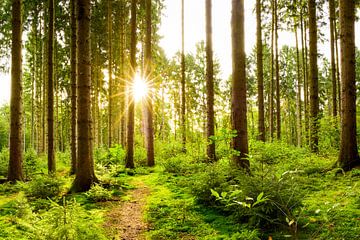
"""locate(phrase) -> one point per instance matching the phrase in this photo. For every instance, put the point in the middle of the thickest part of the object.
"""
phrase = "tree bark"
(314, 88)
(15, 172)
(238, 96)
(348, 156)
(183, 91)
(277, 75)
(260, 73)
(131, 120)
(85, 175)
(110, 96)
(333, 63)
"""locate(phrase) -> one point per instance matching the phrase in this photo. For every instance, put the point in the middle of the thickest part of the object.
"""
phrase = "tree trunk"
(333, 63)
(298, 94)
(183, 103)
(271, 115)
(122, 76)
(260, 73)
(15, 172)
(314, 88)
(85, 175)
(50, 85)
(238, 96)
(110, 96)
(131, 120)
(277, 76)
(148, 69)
(349, 156)
(210, 84)
(73, 62)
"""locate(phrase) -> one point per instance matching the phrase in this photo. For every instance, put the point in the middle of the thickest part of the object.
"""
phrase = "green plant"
(4, 161)
(31, 163)
(98, 194)
(44, 186)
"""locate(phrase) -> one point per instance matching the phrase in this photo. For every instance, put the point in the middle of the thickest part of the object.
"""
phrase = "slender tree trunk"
(271, 124)
(337, 58)
(298, 94)
(73, 62)
(210, 83)
(15, 172)
(238, 96)
(110, 97)
(260, 73)
(131, 120)
(148, 69)
(122, 76)
(333, 64)
(85, 175)
(277, 76)
(183, 93)
(348, 156)
(314, 88)
(50, 90)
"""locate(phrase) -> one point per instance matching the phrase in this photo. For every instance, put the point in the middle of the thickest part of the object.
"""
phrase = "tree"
(277, 76)
(15, 172)
(183, 93)
(348, 156)
(131, 120)
(332, 49)
(314, 88)
(238, 96)
(50, 93)
(210, 83)
(85, 175)
(110, 92)
(148, 69)
(260, 73)
(73, 63)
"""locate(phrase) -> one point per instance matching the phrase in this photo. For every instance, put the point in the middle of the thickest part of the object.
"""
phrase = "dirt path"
(125, 221)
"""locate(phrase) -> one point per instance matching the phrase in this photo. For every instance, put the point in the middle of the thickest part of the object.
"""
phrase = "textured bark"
(15, 172)
(148, 69)
(183, 91)
(73, 63)
(122, 76)
(110, 92)
(260, 73)
(210, 83)
(85, 175)
(271, 108)
(333, 63)
(314, 85)
(349, 156)
(277, 75)
(298, 94)
(50, 91)
(131, 120)
(238, 96)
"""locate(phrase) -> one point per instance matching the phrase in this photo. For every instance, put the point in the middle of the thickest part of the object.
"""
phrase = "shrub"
(31, 163)
(4, 161)
(98, 194)
(113, 155)
(44, 187)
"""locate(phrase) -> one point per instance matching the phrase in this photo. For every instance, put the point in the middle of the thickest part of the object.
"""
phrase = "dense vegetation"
(100, 117)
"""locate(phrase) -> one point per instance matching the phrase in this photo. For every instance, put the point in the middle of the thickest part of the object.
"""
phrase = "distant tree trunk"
(110, 96)
(337, 58)
(131, 120)
(298, 94)
(210, 84)
(238, 96)
(333, 63)
(85, 175)
(122, 76)
(277, 75)
(260, 73)
(314, 88)
(73, 62)
(15, 172)
(271, 115)
(306, 85)
(348, 156)
(183, 93)
(148, 68)
(50, 85)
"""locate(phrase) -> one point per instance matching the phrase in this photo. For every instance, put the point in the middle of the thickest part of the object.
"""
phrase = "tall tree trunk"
(183, 103)
(148, 69)
(238, 96)
(333, 63)
(298, 94)
(50, 90)
(348, 156)
(314, 85)
(122, 76)
(110, 97)
(277, 76)
(271, 115)
(15, 172)
(337, 58)
(131, 117)
(260, 73)
(210, 84)
(73, 62)
(85, 175)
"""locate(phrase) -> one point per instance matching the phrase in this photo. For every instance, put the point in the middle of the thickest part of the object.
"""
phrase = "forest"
(107, 137)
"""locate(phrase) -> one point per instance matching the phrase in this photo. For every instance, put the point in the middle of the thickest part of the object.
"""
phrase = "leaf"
(215, 194)
(259, 197)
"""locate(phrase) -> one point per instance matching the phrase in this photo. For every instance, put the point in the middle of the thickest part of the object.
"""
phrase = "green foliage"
(113, 155)
(98, 194)
(4, 162)
(31, 163)
(44, 186)
(329, 142)
(182, 164)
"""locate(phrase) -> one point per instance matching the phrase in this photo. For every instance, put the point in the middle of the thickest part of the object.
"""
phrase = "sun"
(140, 88)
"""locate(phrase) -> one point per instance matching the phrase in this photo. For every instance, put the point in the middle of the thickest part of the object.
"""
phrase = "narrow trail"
(125, 221)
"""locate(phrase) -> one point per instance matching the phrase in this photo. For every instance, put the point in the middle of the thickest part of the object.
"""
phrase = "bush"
(44, 187)
(4, 162)
(31, 163)
(113, 155)
(98, 194)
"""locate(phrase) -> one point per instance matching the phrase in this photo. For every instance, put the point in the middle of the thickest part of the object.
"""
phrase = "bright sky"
(195, 32)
